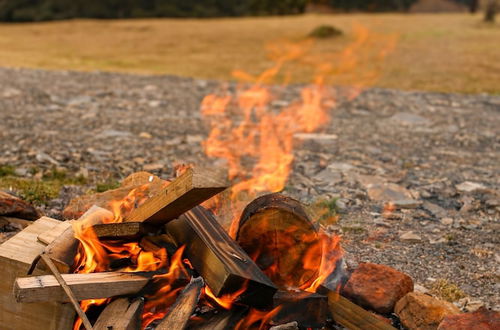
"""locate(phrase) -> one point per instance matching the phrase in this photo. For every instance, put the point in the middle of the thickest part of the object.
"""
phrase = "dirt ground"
(435, 156)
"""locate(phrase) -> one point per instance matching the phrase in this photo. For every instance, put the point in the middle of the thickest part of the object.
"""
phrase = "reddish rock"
(482, 319)
(420, 311)
(146, 184)
(13, 206)
(377, 287)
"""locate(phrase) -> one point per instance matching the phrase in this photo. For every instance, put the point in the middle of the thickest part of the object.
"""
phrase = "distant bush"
(41, 10)
(325, 31)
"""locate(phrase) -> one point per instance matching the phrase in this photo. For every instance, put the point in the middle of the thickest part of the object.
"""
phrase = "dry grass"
(449, 53)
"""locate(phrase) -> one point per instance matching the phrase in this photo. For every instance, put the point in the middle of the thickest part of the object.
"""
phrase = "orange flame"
(256, 316)
(225, 301)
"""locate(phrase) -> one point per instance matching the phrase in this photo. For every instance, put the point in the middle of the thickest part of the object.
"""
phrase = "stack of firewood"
(172, 216)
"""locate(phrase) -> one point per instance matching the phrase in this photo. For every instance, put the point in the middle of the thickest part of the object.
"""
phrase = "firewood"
(221, 321)
(352, 316)
(16, 257)
(15, 207)
(185, 192)
(277, 231)
(63, 249)
(179, 314)
(120, 230)
(50, 235)
(84, 286)
(224, 266)
(310, 310)
(14, 222)
(121, 314)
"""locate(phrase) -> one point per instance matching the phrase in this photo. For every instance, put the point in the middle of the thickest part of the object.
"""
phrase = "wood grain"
(185, 192)
(50, 235)
(84, 286)
(121, 314)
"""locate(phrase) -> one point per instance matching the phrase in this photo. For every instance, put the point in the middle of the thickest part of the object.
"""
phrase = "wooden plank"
(63, 249)
(16, 257)
(310, 310)
(84, 286)
(50, 235)
(121, 230)
(221, 262)
(277, 232)
(352, 316)
(121, 314)
(185, 192)
(180, 312)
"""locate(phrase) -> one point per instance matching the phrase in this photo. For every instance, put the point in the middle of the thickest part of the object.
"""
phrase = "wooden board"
(50, 235)
(185, 192)
(120, 230)
(16, 257)
(121, 314)
(224, 266)
(352, 316)
(84, 286)
(310, 310)
(178, 315)
(277, 232)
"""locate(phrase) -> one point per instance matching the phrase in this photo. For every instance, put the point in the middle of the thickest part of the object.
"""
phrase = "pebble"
(406, 203)
(410, 237)
(469, 186)
(447, 221)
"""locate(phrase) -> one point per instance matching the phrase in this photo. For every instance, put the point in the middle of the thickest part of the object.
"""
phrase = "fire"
(256, 316)
(225, 301)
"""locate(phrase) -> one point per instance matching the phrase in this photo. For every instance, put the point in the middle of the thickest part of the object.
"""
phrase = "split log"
(84, 286)
(185, 192)
(310, 310)
(221, 321)
(13, 206)
(352, 316)
(121, 314)
(224, 266)
(16, 257)
(63, 249)
(121, 230)
(179, 314)
(277, 232)
(50, 235)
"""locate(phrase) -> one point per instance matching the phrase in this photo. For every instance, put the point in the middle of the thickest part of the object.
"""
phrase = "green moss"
(353, 230)
(325, 31)
(6, 170)
(108, 185)
(446, 290)
(326, 210)
(33, 191)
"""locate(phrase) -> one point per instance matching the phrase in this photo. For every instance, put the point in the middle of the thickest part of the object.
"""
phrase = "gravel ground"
(436, 156)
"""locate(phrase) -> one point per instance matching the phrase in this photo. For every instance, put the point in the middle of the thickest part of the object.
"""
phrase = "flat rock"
(469, 186)
(13, 206)
(420, 311)
(406, 118)
(436, 210)
(406, 203)
(482, 319)
(377, 287)
(410, 236)
(380, 190)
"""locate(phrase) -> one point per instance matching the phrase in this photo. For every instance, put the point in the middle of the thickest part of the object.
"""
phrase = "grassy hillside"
(446, 52)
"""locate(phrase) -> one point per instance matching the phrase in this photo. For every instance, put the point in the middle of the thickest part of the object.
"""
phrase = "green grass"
(436, 52)
(108, 185)
(325, 211)
(446, 290)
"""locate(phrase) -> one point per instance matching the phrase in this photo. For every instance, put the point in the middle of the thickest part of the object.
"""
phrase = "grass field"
(445, 52)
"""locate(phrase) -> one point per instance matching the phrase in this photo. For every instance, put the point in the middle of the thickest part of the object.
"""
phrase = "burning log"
(310, 310)
(352, 316)
(121, 314)
(63, 249)
(50, 235)
(179, 314)
(277, 231)
(16, 258)
(120, 230)
(84, 286)
(220, 321)
(185, 192)
(221, 262)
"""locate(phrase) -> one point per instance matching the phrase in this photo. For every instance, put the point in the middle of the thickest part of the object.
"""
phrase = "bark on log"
(185, 192)
(179, 314)
(121, 314)
(276, 231)
(84, 286)
(224, 266)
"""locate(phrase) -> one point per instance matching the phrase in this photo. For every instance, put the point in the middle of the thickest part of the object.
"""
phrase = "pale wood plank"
(121, 314)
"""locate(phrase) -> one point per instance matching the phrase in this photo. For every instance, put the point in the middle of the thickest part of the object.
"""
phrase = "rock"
(377, 287)
(420, 311)
(111, 133)
(315, 136)
(287, 326)
(482, 319)
(468, 186)
(406, 203)
(406, 118)
(327, 177)
(11, 92)
(145, 135)
(42, 157)
(410, 237)
(469, 305)
(153, 167)
(379, 190)
(447, 221)
(13, 206)
(436, 210)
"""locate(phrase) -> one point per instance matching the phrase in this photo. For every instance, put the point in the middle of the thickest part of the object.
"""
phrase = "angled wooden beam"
(179, 314)
(221, 262)
(185, 192)
(121, 314)
(84, 286)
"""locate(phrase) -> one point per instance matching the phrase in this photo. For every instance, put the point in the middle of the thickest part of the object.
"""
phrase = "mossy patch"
(6, 170)
(446, 290)
(325, 211)
(108, 185)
